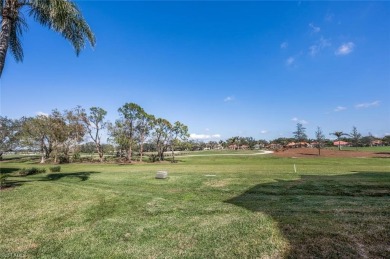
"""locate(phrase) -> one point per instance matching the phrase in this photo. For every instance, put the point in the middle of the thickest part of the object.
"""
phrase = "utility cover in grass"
(161, 174)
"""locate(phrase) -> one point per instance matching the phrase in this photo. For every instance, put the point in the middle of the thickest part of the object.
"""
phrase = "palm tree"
(338, 134)
(62, 16)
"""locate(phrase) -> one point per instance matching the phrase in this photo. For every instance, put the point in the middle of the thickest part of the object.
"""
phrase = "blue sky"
(222, 68)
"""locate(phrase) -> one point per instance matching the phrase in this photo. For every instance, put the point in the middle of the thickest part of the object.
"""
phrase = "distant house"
(233, 147)
(297, 144)
(273, 146)
(258, 146)
(377, 142)
(244, 147)
(304, 144)
(340, 143)
(292, 145)
(219, 146)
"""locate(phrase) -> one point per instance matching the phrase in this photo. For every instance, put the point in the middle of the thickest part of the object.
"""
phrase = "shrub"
(31, 171)
(153, 158)
(63, 159)
(76, 157)
(54, 169)
(3, 178)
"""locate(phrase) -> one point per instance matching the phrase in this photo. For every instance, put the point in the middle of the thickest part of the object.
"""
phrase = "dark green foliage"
(63, 159)
(300, 134)
(76, 157)
(55, 169)
(3, 178)
(32, 171)
(153, 158)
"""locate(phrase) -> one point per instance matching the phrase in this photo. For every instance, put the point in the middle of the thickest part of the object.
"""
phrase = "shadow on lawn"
(8, 170)
(83, 176)
(21, 159)
(16, 180)
(345, 216)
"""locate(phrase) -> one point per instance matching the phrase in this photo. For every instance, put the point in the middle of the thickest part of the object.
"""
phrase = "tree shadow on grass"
(21, 159)
(345, 216)
(17, 180)
(83, 176)
(4, 170)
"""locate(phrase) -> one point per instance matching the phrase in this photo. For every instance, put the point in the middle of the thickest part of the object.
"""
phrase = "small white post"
(295, 168)
(161, 174)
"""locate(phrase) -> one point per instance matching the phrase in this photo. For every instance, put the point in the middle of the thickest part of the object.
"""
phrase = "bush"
(76, 157)
(62, 159)
(153, 158)
(32, 171)
(55, 169)
(3, 178)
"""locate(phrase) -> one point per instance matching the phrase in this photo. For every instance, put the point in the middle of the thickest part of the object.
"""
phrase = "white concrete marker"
(161, 174)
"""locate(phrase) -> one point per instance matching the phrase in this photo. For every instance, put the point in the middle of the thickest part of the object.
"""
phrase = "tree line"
(62, 136)
(299, 138)
(59, 135)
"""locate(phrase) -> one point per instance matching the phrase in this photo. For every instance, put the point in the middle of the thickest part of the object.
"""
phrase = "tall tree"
(355, 137)
(58, 132)
(162, 129)
(131, 114)
(338, 135)
(320, 139)
(143, 129)
(300, 134)
(118, 136)
(178, 132)
(94, 124)
(62, 16)
(8, 134)
(75, 132)
(36, 133)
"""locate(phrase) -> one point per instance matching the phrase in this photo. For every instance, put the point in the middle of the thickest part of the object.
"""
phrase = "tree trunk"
(141, 147)
(99, 150)
(161, 153)
(44, 151)
(101, 156)
(141, 150)
(129, 151)
(55, 153)
(5, 33)
(173, 154)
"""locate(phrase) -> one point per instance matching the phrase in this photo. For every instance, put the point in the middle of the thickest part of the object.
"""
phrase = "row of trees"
(60, 134)
(354, 137)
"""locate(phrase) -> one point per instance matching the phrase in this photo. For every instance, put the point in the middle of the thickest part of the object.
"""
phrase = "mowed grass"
(209, 207)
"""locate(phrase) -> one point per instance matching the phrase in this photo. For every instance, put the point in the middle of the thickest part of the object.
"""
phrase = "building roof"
(341, 143)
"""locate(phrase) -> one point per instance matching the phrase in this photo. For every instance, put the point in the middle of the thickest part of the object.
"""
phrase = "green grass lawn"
(209, 207)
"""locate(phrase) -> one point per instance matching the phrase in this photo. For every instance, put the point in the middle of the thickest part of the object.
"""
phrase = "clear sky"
(222, 68)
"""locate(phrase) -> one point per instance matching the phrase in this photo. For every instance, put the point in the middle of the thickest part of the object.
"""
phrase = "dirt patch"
(312, 152)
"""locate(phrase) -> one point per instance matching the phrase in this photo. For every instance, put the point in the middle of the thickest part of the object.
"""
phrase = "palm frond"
(18, 26)
(64, 17)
